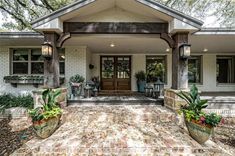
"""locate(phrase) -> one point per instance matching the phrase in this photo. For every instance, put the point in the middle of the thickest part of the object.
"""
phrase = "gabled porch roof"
(176, 19)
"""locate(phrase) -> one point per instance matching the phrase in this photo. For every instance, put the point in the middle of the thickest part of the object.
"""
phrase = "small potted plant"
(76, 82)
(199, 124)
(46, 118)
(141, 80)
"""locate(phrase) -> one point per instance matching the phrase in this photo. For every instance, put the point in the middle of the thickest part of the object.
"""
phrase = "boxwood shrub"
(9, 101)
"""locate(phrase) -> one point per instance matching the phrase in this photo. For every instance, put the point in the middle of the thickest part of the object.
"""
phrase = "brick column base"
(171, 99)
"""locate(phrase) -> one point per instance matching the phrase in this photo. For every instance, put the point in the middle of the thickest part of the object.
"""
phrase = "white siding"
(75, 61)
(5, 71)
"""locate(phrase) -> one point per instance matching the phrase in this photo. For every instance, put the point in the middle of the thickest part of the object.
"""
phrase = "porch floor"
(119, 130)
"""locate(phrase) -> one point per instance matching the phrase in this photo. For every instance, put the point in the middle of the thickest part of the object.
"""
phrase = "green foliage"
(140, 76)
(193, 100)
(77, 79)
(213, 119)
(49, 106)
(9, 101)
(193, 109)
(154, 71)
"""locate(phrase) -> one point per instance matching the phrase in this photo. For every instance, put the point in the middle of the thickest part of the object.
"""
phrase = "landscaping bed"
(9, 101)
(13, 134)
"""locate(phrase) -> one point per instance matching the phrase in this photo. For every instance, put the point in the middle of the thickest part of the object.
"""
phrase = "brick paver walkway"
(118, 130)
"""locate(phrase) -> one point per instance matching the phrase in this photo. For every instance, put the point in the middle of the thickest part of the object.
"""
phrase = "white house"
(120, 38)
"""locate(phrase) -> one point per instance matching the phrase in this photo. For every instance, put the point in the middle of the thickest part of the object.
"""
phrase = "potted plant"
(46, 118)
(76, 84)
(141, 80)
(199, 124)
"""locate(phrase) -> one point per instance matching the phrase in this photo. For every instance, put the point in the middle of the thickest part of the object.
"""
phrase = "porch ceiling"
(213, 43)
(123, 43)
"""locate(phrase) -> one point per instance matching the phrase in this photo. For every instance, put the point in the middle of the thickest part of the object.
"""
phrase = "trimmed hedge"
(9, 101)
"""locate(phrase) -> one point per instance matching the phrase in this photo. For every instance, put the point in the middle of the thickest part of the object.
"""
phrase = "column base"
(172, 100)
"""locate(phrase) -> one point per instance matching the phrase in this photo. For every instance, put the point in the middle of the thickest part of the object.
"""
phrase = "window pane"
(36, 55)
(62, 68)
(225, 66)
(20, 68)
(194, 70)
(20, 55)
(37, 68)
(156, 68)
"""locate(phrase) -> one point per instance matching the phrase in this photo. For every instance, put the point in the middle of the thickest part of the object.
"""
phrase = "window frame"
(166, 66)
(201, 69)
(233, 68)
(29, 61)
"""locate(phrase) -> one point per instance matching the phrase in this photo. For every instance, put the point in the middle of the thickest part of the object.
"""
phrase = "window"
(225, 69)
(194, 69)
(156, 68)
(30, 61)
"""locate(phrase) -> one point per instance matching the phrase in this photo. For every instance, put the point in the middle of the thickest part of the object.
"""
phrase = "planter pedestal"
(61, 99)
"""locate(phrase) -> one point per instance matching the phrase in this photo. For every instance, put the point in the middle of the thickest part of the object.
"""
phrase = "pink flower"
(222, 121)
(202, 119)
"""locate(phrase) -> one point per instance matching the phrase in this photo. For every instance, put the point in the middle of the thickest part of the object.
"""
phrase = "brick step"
(116, 102)
(228, 114)
(92, 141)
(74, 113)
(156, 151)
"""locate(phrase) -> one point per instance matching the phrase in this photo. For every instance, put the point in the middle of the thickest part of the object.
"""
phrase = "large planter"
(200, 133)
(46, 128)
(141, 85)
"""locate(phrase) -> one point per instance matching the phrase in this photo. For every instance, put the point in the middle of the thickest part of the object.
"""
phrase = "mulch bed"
(12, 140)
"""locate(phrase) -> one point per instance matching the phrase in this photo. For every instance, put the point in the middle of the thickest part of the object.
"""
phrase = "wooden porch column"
(51, 67)
(179, 66)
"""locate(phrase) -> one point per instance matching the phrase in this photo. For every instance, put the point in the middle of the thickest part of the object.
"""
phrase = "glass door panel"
(107, 67)
(123, 67)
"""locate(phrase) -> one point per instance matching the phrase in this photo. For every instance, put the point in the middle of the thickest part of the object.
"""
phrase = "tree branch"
(48, 6)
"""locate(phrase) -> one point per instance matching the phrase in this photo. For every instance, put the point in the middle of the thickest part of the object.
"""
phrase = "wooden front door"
(115, 72)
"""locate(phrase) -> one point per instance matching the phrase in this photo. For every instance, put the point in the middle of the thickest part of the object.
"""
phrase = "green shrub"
(140, 76)
(9, 101)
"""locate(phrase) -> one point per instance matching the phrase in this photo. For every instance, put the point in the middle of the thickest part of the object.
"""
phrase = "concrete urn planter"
(45, 128)
(200, 133)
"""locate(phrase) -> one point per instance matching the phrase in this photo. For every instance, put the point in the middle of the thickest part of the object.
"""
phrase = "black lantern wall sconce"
(185, 51)
(47, 50)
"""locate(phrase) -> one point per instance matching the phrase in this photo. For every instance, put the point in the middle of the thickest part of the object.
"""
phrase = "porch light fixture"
(112, 45)
(47, 50)
(185, 51)
(167, 50)
(205, 50)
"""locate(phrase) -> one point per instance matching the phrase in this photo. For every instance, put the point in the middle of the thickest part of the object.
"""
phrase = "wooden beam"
(51, 67)
(179, 66)
(115, 28)
(166, 37)
(63, 37)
